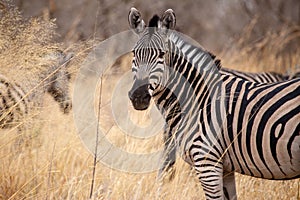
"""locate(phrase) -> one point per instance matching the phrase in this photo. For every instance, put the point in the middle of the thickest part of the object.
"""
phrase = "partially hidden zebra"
(17, 99)
(219, 123)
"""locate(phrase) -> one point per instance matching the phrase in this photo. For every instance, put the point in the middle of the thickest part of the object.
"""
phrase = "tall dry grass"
(56, 164)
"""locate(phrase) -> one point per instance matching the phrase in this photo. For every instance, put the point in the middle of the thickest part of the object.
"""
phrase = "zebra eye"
(161, 54)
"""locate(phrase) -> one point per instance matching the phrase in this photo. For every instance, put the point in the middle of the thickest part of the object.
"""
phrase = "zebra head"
(59, 83)
(150, 56)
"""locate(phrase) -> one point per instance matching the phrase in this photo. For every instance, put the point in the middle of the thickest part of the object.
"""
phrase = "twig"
(98, 117)
(97, 137)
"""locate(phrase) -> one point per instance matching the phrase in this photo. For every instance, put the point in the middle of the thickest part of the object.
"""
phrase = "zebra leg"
(169, 157)
(211, 179)
(229, 186)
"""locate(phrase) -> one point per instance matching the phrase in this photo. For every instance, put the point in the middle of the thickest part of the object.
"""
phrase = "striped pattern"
(262, 77)
(16, 100)
(219, 123)
(12, 106)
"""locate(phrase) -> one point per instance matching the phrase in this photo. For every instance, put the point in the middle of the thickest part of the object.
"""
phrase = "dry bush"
(25, 44)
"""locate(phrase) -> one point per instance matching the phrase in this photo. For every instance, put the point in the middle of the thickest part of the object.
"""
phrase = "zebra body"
(17, 99)
(262, 77)
(219, 123)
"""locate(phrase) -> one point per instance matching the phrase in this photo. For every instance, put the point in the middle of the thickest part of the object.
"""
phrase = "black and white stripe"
(219, 123)
(12, 106)
(260, 77)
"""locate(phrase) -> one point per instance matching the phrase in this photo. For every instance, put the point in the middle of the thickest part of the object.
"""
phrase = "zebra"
(18, 99)
(260, 77)
(220, 124)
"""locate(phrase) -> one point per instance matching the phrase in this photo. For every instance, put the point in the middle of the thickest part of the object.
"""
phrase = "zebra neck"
(193, 82)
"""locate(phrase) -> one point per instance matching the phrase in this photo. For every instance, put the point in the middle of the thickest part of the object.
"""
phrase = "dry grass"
(56, 165)
(24, 43)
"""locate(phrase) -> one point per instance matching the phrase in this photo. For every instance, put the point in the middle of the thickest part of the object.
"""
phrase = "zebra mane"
(180, 41)
(154, 21)
(217, 61)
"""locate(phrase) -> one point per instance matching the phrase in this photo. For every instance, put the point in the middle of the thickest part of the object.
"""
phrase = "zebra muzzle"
(140, 97)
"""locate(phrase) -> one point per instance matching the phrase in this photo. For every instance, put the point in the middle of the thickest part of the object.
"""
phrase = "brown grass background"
(55, 163)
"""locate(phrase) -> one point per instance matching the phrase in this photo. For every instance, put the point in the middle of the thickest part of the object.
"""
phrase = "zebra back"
(261, 77)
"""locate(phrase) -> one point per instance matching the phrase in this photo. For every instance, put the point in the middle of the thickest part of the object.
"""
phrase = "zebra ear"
(135, 22)
(168, 20)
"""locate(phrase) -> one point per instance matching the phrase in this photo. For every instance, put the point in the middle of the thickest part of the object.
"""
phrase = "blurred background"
(215, 24)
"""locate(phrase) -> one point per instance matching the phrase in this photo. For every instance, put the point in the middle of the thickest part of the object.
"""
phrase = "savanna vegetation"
(53, 162)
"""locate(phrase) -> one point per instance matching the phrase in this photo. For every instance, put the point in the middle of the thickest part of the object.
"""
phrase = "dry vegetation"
(56, 164)
(277, 51)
